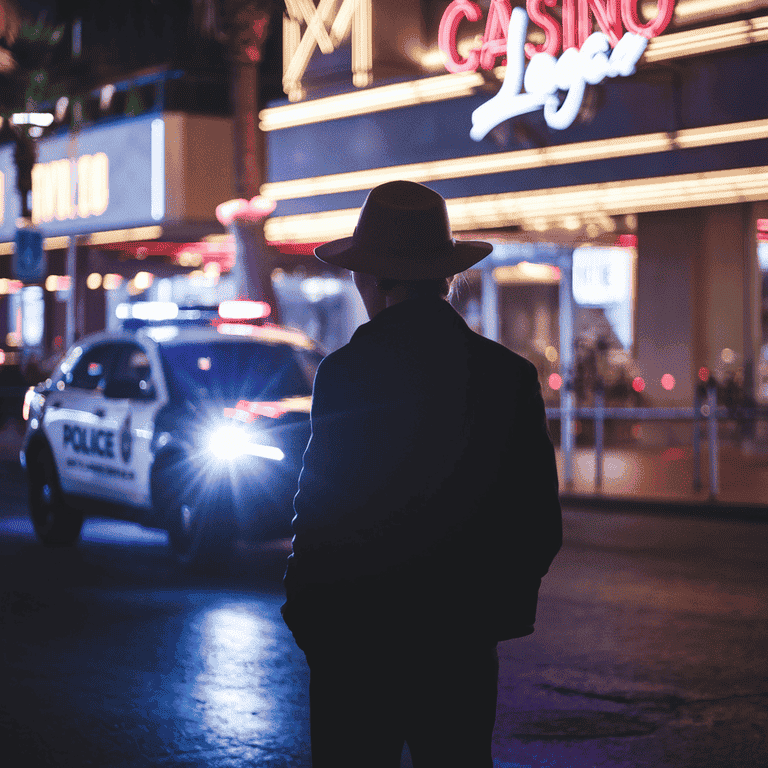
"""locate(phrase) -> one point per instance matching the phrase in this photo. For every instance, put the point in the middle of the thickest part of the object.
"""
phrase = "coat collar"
(411, 315)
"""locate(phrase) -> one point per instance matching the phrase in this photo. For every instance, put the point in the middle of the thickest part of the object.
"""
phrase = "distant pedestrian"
(427, 509)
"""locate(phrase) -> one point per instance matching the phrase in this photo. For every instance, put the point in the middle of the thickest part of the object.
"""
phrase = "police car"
(195, 430)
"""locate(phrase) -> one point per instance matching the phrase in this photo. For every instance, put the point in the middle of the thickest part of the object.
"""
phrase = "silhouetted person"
(427, 509)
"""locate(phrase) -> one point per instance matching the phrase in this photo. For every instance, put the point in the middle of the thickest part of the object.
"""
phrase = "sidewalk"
(658, 479)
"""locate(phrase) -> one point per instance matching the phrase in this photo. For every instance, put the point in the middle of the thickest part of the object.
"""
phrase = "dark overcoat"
(428, 498)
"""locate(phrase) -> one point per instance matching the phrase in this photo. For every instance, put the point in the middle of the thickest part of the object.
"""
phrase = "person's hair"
(433, 288)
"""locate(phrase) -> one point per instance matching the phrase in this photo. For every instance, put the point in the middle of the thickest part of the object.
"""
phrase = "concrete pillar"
(722, 277)
(697, 295)
(667, 309)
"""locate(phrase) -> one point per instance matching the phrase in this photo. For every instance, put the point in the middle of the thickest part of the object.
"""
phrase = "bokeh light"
(668, 382)
(551, 354)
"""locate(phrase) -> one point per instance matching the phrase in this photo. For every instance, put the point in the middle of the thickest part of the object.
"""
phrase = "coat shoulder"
(336, 363)
(500, 356)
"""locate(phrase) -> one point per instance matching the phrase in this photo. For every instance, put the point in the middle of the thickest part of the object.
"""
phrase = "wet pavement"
(111, 658)
(649, 651)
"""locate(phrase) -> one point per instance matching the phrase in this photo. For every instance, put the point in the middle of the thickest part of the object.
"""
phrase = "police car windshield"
(232, 370)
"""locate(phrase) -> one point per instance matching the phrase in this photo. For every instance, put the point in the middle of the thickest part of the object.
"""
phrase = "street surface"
(650, 651)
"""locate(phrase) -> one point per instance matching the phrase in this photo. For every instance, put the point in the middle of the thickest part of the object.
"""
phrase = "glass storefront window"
(602, 281)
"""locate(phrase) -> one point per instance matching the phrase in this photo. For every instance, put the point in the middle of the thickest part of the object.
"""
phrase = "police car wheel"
(56, 523)
(200, 536)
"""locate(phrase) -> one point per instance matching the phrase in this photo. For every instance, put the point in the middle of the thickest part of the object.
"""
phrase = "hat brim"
(462, 255)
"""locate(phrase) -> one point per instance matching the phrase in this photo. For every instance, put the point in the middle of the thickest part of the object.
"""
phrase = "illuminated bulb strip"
(54, 243)
(311, 227)
(525, 159)
(700, 10)
(125, 235)
(614, 198)
(362, 45)
(521, 208)
(453, 86)
(96, 238)
(49, 244)
(707, 40)
(372, 100)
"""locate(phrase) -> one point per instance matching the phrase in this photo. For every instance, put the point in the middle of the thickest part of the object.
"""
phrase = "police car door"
(132, 405)
(74, 421)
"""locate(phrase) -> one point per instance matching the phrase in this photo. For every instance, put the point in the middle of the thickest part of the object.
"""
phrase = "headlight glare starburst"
(228, 442)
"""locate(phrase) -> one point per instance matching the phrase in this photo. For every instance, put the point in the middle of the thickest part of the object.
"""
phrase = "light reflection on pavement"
(228, 689)
(237, 688)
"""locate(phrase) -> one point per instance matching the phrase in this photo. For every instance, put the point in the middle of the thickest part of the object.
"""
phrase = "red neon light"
(655, 26)
(247, 411)
(446, 35)
(569, 24)
(495, 35)
(607, 15)
(222, 253)
(579, 17)
(240, 210)
(553, 36)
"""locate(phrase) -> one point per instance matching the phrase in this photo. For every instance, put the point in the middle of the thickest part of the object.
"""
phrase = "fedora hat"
(403, 233)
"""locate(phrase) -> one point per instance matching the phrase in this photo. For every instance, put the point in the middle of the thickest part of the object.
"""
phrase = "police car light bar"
(240, 309)
(151, 311)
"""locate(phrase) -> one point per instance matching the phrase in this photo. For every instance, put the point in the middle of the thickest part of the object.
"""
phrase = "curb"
(705, 508)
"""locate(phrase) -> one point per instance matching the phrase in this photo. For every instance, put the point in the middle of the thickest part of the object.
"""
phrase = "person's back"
(427, 509)
(416, 474)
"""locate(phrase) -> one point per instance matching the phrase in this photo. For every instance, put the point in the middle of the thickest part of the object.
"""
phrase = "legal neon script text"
(587, 56)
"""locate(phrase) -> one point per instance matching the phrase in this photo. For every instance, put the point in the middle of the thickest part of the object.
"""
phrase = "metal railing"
(705, 415)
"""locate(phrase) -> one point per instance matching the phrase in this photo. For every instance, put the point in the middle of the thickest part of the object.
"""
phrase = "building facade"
(614, 143)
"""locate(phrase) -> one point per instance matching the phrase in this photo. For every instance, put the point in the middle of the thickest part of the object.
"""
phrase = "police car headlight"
(33, 403)
(229, 442)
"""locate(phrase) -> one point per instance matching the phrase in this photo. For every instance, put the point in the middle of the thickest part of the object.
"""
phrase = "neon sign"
(326, 27)
(587, 56)
(68, 189)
